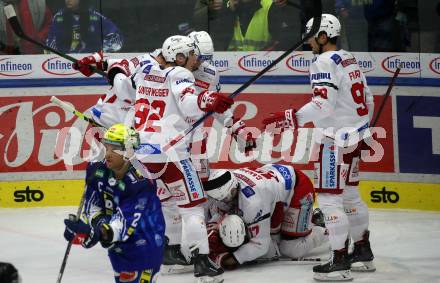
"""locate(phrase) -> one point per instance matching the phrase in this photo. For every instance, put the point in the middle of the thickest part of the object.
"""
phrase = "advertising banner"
(414, 65)
(31, 125)
(419, 134)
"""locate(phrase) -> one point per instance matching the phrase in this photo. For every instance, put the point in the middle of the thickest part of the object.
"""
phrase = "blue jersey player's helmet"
(121, 135)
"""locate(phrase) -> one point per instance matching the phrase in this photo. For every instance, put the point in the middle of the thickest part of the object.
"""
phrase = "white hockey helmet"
(329, 24)
(232, 231)
(203, 41)
(176, 44)
(221, 185)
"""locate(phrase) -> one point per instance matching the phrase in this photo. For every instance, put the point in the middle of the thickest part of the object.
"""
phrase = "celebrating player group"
(184, 217)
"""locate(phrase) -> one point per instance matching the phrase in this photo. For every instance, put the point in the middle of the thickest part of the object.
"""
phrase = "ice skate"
(205, 270)
(336, 269)
(362, 257)
(174, 261)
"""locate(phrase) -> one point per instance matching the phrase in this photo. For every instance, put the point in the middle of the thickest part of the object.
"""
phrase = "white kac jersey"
(206, 78)
(115, 106)
(341, 97)
(165, 106)
(260, 190)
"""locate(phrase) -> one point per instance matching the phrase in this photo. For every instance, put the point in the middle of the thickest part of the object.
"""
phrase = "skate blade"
(363, 266)
(209, 279)
(335, 276)
(176, 269)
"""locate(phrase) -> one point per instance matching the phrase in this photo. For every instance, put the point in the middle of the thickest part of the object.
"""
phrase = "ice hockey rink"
(406, 245)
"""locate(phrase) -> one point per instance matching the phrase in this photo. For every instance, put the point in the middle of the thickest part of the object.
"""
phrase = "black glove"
(80, 233)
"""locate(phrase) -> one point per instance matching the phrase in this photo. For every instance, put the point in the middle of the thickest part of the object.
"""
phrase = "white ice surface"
(406, 246)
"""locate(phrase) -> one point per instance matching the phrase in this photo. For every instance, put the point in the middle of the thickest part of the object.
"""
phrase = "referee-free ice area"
(406, 245)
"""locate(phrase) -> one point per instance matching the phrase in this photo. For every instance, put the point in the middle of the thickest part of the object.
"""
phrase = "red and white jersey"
(166, 105)
(341, 97)
(260, 190)
(114, 106)
(206, 78)
(136, 63)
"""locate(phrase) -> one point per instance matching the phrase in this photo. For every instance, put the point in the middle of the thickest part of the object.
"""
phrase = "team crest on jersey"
(336, 58)
(248, 191)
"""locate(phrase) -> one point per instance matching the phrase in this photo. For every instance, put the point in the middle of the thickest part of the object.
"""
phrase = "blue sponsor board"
(418, 122)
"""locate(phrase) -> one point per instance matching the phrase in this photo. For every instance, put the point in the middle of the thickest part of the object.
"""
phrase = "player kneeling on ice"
(121, 211)
(273, 199)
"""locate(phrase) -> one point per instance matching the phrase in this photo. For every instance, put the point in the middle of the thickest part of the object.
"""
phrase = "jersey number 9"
(358, 94)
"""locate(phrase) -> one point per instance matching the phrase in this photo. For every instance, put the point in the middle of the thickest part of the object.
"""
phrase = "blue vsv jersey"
(134, 212)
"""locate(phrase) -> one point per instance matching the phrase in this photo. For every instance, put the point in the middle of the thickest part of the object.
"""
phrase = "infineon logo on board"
(409, 65)
(10, 68)
(222, 65)
(434, 65)
(58, 66)
(299, 62)
(253, 63)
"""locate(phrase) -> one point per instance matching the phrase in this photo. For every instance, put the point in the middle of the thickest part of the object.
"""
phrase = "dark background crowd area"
(235, 25)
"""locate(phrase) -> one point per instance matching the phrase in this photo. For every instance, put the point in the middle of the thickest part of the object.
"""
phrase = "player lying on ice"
(276, 204)
(121, 211)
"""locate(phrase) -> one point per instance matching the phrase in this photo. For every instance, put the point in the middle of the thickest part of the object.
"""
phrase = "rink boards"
(406, 176)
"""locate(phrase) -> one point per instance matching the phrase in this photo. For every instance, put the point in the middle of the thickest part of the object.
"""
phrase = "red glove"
(281, 120)
(212, 101)
(216, 245)
(245, 141)
(84, 65)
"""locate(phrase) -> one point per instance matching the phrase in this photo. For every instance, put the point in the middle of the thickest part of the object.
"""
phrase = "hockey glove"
(80, 233)
(83, 65)
(281, 120)
(245, 141)
(212, 101)
(116, 68)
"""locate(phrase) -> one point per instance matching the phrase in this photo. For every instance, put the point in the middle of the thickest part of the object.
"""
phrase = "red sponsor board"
(30, 126)
(259, 106)
(29, 130)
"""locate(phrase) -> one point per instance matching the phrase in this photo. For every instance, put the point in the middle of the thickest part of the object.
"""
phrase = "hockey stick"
(136, 163)
(13, 21)
(71, 109)
(284, 259)
(387, 94)
(69, 245)
(313, 30)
